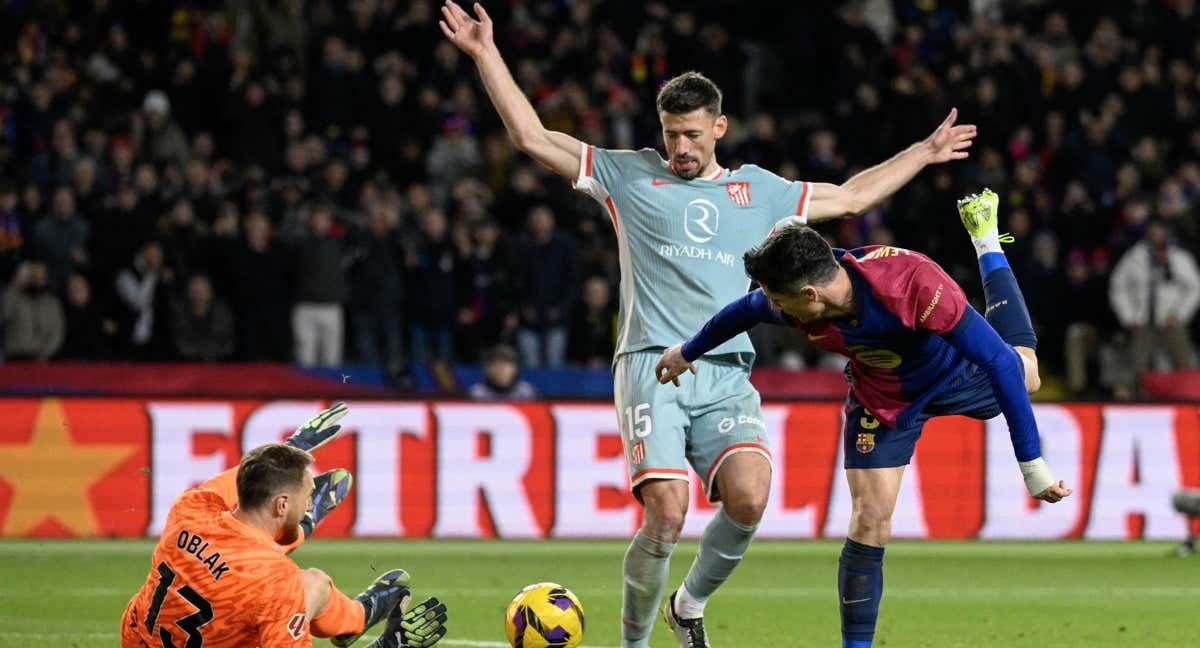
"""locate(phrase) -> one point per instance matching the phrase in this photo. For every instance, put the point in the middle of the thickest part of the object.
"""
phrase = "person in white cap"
(156, 137)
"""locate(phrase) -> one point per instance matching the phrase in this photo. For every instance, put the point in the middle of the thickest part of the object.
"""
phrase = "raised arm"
(867, 188)
(557, 151)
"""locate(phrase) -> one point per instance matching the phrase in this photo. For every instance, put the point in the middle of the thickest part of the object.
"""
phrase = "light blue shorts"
(710, 416)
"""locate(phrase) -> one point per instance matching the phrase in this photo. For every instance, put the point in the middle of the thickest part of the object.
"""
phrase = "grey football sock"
(647, 565)
(721, 548)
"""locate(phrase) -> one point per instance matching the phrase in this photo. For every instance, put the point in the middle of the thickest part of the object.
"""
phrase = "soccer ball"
(544, 615)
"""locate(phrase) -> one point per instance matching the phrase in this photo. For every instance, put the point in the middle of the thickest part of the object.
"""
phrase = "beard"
(289, 535)
(689, 173)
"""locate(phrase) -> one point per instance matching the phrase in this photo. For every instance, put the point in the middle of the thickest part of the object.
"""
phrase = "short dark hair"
(687, 92)
(500, 352)
(793, 257)
(269, 470)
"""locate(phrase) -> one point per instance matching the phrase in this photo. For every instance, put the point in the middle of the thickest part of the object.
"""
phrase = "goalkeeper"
(219, 576)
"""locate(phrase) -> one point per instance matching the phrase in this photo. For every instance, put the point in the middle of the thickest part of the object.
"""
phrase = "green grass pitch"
(937, 594)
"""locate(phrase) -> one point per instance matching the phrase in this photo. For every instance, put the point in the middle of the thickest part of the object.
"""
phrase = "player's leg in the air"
(653, 426)
(728, 448)
(1005, 307)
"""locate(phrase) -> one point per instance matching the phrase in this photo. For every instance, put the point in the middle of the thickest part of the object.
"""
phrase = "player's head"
(274, 481)
(795, 268)
(689, 107)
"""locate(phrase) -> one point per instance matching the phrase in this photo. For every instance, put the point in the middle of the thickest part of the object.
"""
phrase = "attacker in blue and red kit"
(917, 350)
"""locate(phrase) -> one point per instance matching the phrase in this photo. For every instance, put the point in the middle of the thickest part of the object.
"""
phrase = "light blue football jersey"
(681, 242)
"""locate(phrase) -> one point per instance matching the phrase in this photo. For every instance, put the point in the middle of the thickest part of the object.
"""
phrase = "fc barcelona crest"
(739, 192)
(865, 442)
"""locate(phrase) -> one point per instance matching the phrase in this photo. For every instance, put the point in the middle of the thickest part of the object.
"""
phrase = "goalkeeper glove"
(419, 627)
(319, 429)
(423, 625)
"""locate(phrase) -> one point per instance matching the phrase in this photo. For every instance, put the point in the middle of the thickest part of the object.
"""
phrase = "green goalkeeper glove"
(423, 625)
(419, 627)
(319, 429)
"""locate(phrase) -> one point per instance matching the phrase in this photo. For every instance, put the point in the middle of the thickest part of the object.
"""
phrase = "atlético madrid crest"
(637, 454)
(739, 192)
(865, 442)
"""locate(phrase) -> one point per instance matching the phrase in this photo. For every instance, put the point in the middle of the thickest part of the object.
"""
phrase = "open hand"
(473, 37)
(950, 142)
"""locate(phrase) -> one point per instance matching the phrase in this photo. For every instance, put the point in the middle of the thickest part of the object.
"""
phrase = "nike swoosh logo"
(814, 338)
(658, 183)
(845, 602)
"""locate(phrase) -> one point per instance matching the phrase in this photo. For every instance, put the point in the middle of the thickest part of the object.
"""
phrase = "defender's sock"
(860, 587)
(722, 546)
(647, 565)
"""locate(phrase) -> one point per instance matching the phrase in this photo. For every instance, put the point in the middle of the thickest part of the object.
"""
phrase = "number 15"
(637, 421)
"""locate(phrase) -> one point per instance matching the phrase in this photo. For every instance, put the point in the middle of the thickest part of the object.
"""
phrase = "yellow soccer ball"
(544, 615)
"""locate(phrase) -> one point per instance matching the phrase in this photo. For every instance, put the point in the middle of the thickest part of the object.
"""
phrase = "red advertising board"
(111, 467)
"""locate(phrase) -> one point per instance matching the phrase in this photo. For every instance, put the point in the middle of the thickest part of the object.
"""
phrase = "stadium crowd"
(322, 182)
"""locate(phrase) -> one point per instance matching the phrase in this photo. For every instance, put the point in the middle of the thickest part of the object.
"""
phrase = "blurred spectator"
(1155, 289)
(142, 291)
(156, 137)
(11, 239)
(319, 290)
(1085, 314)
(593, 329)
(502, 377)
(486, 312)
(547, 282)
(261, 293)
(1043, 287)
(60, 239)
(33, 317)
(91, 333)
(120, 230)
(432, 268)
(202, 324)
(454, 154)
(376, 290)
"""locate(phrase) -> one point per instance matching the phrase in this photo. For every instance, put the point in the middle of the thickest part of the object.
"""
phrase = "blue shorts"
(867, 443)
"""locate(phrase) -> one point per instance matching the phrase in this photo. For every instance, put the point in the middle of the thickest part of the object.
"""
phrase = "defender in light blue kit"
(682, 224)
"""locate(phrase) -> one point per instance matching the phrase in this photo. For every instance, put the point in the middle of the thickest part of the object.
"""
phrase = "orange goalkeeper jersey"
(216, 582)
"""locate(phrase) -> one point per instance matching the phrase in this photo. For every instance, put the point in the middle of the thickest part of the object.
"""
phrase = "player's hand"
(473, 37)
(671, 365)
(319, 429)
(1054, 492)
(950, 142)
(423, 625)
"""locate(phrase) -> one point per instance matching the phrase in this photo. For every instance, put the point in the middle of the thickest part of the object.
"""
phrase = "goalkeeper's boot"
(385, 593)
(979, 215)
(689, 632)
(329, 490)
